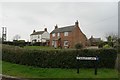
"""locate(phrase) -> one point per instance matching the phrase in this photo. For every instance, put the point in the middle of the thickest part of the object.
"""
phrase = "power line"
(101, 20)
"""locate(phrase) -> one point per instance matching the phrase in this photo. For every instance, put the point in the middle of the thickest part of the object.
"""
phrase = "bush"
(58, 58)
(101, 44)
(106, 46)
(20, 43)
(78, 46)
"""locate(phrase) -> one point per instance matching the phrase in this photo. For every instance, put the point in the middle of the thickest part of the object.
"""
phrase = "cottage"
(68, 36)
(40, 36)
(94, 41)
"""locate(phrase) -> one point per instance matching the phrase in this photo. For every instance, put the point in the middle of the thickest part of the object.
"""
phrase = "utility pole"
(4, 33)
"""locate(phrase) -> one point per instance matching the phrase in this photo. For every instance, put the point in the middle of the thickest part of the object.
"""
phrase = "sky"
(96, 19)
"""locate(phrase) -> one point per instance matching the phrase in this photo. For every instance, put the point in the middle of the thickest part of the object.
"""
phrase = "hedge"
(58, 58)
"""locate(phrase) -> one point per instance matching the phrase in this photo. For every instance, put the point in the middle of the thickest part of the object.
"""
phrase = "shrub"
(101, 44)
(78, 46)
(106, 46)
(58, 58)
(20, 43)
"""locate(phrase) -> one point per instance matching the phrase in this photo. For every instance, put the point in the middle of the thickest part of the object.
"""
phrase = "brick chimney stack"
(33, 31)
(77, 23)
(45, 29)
(56, 26)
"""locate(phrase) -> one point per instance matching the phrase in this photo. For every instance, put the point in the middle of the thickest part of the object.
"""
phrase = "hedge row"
(58, 58)
(22, 43)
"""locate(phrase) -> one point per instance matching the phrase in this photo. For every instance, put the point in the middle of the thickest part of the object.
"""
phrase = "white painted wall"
(42, 38)
(33, 37)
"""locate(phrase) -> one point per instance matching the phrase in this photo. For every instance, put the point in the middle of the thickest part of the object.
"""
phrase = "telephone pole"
(4, 33)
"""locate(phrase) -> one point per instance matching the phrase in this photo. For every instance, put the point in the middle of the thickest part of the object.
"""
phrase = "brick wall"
(74, 37)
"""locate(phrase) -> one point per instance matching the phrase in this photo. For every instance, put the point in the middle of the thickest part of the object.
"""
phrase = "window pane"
(65, 33)
(53, 34)
(65, 43)
(58, 34)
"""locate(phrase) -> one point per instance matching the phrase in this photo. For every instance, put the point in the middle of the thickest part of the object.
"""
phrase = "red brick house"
(67, 37)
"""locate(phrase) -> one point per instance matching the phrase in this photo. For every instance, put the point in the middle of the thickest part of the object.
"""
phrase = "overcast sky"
(95, 18)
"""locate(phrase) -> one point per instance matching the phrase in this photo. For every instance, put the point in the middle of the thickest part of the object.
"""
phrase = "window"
(53, 35)
(65, 33)
(58, 34)
(53, 43)
(65, 43)
(38, 36)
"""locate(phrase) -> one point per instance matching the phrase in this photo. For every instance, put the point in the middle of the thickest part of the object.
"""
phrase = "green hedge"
(58, 58)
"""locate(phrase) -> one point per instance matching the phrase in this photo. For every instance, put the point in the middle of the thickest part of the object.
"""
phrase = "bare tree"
(112, 37)
(16, 37)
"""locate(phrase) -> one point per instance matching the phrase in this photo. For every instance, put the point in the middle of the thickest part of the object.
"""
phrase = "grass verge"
(32, 72)
(39, 47)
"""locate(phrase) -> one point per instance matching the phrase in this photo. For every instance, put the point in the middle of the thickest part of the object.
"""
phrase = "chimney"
(77, 23)
(45, 29)
(91, 36)
(56, 26)
(33, 31)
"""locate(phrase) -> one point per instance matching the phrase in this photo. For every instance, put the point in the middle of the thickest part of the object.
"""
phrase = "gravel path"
(5, 77)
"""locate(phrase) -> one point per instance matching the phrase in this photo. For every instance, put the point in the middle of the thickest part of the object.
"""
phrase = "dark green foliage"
(20, 43)
(101, 44)
(78, 46)
(39, 44)
(58, 58)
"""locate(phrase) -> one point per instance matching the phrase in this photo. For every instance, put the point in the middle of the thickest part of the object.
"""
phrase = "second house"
(68, 36)
(40, 36)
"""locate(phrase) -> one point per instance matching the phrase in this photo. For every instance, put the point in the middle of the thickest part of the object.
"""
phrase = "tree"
(16, 37)
(112, 39)
(109, 38)
(78, 46)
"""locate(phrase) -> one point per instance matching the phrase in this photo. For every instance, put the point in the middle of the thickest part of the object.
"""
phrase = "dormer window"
(65, 33)
(53, 34)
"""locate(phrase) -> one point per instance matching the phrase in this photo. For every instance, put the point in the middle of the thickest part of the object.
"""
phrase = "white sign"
(86, 58)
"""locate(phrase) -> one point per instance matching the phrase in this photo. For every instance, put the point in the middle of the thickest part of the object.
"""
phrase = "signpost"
(88, 59)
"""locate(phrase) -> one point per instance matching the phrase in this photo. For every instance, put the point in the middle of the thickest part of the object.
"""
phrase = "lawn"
(44, 48)
(119, 75)
(119, 64)
(32, 72)
(39, 47)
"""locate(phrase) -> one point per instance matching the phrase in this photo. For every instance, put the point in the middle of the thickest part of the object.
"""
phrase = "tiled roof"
(38, 32)
(64, 29)
(95, 39)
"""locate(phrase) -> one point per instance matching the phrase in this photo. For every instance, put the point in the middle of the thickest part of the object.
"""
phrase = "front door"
(55, 44)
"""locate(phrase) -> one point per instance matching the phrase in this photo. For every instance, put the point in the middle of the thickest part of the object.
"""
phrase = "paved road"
(5, 77)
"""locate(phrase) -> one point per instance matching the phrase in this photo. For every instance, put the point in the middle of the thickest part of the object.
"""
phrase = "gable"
(45, 35)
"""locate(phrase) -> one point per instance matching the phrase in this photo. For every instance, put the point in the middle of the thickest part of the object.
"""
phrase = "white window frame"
(65, 33)
(58, 34)
(65, 43)
(53, 34)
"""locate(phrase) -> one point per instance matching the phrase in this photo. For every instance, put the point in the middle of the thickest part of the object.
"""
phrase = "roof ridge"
(39, 31)
(67, 26)
(64, 29)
